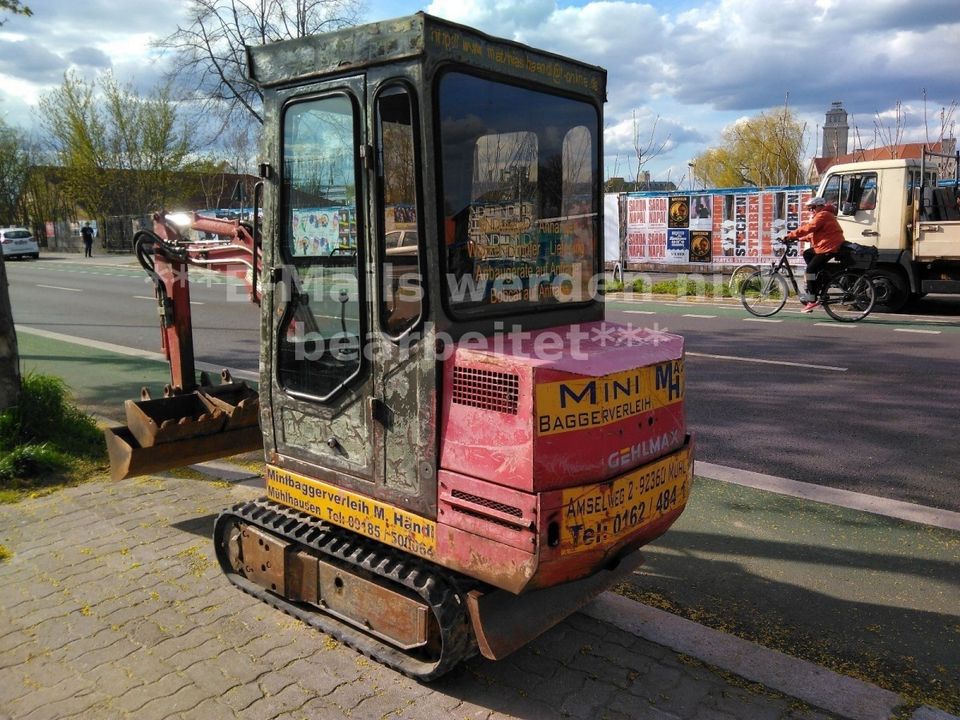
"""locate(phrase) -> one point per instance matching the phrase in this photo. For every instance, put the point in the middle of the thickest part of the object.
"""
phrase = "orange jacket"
(823, 231)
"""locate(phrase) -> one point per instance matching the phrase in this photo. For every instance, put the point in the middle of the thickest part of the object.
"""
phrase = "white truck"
(898, 206)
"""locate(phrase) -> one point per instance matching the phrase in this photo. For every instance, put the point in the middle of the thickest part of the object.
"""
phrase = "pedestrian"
(87, 233)
(826, 236)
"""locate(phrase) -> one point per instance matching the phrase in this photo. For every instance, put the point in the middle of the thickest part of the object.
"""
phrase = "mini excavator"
(460, 451)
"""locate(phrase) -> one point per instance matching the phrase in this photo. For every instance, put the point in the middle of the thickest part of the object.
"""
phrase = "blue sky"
(690, 67)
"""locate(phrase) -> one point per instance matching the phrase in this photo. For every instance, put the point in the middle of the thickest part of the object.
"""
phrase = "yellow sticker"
(583, 403)
(362, 515)
(604, 513)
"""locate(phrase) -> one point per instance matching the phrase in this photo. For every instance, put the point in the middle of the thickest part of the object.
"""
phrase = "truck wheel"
(891, 290)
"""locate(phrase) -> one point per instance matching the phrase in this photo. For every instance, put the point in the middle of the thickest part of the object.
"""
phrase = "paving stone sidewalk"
(113, 606)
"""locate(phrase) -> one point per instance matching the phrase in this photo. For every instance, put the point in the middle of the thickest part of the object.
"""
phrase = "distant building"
(618, 184)
(836, 132)
(889, 152)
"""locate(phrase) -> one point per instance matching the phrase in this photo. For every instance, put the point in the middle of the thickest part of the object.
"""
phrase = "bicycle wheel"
(849, 297)
(739, 275)
(764, 293)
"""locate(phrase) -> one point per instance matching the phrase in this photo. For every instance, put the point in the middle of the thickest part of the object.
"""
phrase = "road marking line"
(912, 330)
(639, 312)
(769, 320)
(133, 352)
(898, 509)
(807, 366)
(150, 297)
(835, 324)
(57, 287)
(705, 317)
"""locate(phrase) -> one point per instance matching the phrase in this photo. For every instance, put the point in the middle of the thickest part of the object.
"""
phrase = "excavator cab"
(460, 451)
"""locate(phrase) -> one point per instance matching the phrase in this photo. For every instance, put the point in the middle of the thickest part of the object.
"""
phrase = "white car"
(401, 242)
(17, 242)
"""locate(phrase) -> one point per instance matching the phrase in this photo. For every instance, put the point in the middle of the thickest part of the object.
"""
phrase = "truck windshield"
(520, 204)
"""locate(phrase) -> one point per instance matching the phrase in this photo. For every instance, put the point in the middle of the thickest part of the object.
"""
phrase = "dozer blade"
(184, 429)
(504, 622)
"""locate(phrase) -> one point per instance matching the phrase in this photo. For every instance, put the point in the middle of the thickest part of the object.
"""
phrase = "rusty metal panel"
(486, 559)
(302, 577)
(381, 611)
(439, 41)
(263, 558)
(503, 622)
(487, 509)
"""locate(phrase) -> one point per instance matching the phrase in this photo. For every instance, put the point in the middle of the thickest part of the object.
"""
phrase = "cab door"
(856, 196)
(406, 367)
(313, 334)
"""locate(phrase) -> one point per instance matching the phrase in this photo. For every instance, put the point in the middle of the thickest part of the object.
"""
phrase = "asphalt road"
(870, 407)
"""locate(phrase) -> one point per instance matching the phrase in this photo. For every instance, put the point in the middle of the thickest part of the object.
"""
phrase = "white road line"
(145, 297)
(835, 324)
(639, 312)
(769, 320)
(705, 317)
(57, 287)
(912, 512)
(133, 352)
(786, 363)
(912, 330)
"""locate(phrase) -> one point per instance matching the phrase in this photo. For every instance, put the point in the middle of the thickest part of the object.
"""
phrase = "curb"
(815, 685)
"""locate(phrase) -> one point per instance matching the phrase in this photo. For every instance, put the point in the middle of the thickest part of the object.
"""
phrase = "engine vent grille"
(484, 502)
(486, 389)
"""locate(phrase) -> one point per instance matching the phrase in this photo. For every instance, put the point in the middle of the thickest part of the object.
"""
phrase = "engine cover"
(562, 406)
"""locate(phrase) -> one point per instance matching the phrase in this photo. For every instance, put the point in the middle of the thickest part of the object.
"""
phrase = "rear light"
(4, 241)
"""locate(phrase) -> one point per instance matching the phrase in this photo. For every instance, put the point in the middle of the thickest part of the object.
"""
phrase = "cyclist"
(826, 236)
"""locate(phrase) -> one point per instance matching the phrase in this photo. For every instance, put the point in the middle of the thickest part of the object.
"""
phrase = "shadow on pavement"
(866, 596)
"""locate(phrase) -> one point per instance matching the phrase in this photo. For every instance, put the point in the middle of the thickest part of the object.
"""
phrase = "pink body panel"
(492, 427)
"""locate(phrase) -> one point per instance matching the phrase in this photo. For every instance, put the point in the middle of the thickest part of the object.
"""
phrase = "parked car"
(401, 242)
(17, 242)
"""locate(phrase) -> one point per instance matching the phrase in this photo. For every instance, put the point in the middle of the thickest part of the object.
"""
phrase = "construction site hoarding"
(702, 231)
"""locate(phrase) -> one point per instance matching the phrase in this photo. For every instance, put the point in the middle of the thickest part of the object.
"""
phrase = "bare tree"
(891, 135)
(210, 47)
(648, 150)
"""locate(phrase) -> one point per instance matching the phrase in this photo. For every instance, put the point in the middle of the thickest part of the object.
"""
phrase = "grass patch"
(46, 441)
(682, 286)
(4, 553)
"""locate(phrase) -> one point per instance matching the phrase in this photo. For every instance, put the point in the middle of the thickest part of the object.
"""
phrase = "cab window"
(319, 335)
(401, 279)
(519, 200)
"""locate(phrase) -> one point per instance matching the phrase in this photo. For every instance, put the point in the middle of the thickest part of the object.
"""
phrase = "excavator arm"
(194, 420)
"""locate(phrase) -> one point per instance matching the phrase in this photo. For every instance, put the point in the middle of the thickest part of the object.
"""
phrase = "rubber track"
(433, 585)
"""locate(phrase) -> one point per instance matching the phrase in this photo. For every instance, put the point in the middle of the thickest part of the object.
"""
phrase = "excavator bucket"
(179, 430)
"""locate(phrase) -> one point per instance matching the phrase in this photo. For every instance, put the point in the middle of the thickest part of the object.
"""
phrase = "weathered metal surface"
(381, 611)
(574, 532)
(302, 577)
(172, 419)
(592, 411)
(263, 558)
(420, 35)
(129, 459)
(448, 639)
(504, 622)
(238, 402)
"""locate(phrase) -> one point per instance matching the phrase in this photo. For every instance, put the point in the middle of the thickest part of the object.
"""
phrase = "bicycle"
(846, 293)
(740, 274)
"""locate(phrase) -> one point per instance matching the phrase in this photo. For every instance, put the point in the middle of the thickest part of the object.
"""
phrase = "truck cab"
(897, 206)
